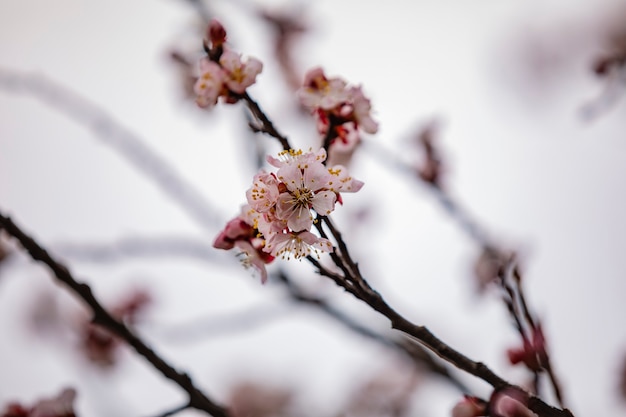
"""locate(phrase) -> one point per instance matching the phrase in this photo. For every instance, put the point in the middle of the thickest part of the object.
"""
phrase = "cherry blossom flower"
(222, 72)
(306, 187)
(210, 84)
(239, 75)
(362, 109)
(281, 208)
(299, 245)
(101, 346)
(264, 192)
(242, 233)
(341, 110)
(321, 92)
(341, 181)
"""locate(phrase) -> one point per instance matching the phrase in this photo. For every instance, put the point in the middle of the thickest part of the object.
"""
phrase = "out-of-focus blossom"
(389, 393)
(509, 403)
(101, 346)
(239, 74)
(489, 266)
(210, 83)
(362, 109)
(255, 400)
(341, 111)
(533, 352)
(60, 406)
(469, 407)
(321, 92)
(223, 72)
(306, 186)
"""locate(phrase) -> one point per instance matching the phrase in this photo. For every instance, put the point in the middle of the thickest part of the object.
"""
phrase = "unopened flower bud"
(216, 33)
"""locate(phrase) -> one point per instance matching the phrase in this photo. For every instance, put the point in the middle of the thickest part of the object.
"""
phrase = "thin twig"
(266, 125)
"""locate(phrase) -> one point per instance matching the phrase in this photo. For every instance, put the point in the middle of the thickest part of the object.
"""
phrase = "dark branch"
(197, 399)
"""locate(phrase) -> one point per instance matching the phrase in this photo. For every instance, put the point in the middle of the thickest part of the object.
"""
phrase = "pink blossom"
(362, 108)
(279, 216)
(341, 111)
(263, 194)
(239, 75)
(341, 181)
(298, 157)
(60, 406)
(321, 92)
(306, 187)
(299, 245)
(236, 229)
(209, 85)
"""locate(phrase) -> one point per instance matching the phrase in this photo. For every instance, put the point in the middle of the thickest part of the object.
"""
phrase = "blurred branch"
(353, 281)
(513, 296)
(407, 347)
(120, 139)
(467, 224)
(197, 399)
(156, 247)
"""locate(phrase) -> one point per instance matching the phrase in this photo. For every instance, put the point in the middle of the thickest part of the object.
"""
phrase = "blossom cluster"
(282, 206)
(223, 73)
(340, 108)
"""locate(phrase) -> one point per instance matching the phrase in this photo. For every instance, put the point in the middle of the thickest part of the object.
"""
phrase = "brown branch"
(266, 125)
(364, 292)
(197, 399)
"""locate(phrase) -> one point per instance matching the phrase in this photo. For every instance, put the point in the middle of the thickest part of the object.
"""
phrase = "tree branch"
(197, 399)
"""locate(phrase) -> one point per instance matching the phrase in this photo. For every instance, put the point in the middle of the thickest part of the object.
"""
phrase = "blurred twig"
(113, 134)
(152, 247)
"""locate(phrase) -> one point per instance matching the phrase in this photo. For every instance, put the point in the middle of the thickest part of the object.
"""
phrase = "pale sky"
(507, 78)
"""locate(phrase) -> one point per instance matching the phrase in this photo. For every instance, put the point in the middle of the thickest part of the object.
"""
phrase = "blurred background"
(107, 161)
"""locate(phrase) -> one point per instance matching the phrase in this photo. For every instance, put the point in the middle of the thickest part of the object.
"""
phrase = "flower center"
(302, 197)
